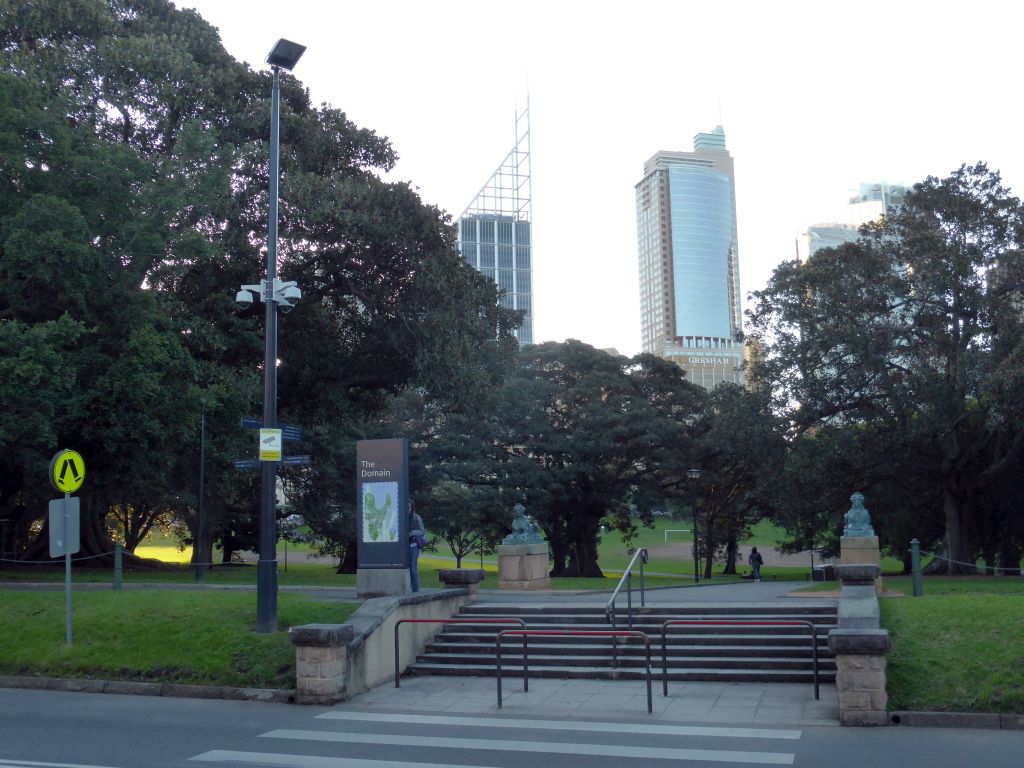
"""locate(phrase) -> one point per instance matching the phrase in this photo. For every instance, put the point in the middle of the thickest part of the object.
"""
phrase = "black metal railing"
(568, 633)
(496, 620)
(736, 623)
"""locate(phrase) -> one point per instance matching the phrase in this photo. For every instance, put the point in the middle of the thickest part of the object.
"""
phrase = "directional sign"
(288, 431)
(300, 460)
(270, 445)
(64, 527)
(67, 471)
(247, 463)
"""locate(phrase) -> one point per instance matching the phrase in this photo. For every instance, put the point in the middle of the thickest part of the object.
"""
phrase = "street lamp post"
(694, 475)
(284, 55)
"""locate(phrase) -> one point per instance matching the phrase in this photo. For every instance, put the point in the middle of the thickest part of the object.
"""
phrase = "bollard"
(915, 567)
(117, 567)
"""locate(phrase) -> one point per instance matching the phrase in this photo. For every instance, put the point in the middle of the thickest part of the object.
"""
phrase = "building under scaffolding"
(495, 229)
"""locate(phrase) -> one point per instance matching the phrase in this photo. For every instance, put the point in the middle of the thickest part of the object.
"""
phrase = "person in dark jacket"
(756, 561)
(417, 539)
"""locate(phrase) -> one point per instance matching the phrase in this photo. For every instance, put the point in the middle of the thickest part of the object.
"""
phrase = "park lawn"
(189, 637)
(956, 652)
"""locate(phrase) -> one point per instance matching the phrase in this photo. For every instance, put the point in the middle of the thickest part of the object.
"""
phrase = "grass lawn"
(959, 648)
(168, 636)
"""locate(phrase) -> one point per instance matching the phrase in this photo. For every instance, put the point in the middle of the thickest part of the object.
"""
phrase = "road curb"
(988, 720)
(129, 688)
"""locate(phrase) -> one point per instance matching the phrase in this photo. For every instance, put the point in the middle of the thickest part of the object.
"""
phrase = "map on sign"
(380, 512)
(67, 471)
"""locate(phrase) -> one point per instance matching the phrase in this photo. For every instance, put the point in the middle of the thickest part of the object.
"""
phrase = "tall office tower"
(495, 229)
(689, 262)
(870, 203)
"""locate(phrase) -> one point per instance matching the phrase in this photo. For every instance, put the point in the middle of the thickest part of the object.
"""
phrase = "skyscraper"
(870, 203)
(495, 230)
(689, 261)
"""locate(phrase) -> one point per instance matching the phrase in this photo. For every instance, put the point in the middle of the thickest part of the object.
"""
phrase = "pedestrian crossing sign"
(67, 471)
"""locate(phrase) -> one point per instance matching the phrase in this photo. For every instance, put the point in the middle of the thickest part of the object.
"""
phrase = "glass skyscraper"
(495, 233)
(689, 261)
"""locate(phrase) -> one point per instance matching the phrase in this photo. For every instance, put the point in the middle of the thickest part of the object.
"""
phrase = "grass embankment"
(959, 648)
(196, 638)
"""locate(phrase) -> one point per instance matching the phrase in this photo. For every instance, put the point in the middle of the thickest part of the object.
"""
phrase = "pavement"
(734, 704)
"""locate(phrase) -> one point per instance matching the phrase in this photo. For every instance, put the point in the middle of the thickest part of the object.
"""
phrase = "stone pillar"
(458, 578)
(523, 566)
(862, 550)
(860, 675)
(320, 655)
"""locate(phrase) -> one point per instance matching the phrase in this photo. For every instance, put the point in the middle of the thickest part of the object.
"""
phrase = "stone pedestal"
(382, 582)
(860, 675)
(861, 550)
(459, 578)
(320, 654)
(523, 566)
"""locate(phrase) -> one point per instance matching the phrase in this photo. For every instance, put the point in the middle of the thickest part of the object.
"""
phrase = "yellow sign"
(270, 445)
(67, 471)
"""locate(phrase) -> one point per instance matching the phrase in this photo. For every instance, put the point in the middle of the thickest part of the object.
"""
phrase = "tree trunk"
(731, 547)
(709, 546)
(349, 562)
(583, 553)
(956, 541)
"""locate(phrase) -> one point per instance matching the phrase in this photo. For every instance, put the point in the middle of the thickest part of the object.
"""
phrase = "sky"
(815, 98)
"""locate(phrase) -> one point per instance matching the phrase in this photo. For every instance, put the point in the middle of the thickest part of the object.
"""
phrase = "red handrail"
(568, 633)
(398, 623)
(737, 623)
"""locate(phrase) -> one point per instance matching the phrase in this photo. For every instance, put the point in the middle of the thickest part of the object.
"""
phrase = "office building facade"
(689, 261)
(496, 233)
(869, 203)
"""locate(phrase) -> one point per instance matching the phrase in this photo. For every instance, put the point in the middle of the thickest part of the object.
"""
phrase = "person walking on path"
(756, 561)
(417, 540)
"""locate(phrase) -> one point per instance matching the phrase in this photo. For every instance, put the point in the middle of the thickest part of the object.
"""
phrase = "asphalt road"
(42, 729)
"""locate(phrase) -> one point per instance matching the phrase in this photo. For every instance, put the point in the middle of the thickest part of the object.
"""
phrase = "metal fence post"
(117, 567)
(915, 567)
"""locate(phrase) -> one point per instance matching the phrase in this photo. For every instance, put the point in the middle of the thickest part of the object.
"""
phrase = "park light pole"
(694, 475)
(284, 55)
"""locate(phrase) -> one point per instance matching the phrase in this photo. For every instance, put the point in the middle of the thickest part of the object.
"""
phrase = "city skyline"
(816, 100)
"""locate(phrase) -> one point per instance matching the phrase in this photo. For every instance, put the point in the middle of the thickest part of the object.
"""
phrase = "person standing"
(756, 561)
(417, 540)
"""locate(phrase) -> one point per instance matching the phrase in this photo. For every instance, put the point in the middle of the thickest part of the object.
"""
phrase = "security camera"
(244, 299)
(291, 294)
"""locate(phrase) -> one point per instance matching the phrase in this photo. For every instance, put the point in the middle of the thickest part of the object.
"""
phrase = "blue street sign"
(288, 431)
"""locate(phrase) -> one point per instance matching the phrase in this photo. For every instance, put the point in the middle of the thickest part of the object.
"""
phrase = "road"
(42, 729)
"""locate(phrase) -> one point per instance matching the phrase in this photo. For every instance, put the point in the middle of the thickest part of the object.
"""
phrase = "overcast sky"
(815, 98)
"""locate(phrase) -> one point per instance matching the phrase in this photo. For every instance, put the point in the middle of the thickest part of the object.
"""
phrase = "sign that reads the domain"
(382, 499)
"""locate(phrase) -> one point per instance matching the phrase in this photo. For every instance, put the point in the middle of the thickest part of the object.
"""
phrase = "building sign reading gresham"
(382, 498)
(709, 360)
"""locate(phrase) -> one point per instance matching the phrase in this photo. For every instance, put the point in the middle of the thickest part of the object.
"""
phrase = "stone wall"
(337, 661)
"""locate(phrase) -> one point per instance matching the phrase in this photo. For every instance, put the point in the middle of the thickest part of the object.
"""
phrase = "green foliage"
(904, 349)
(197, 638)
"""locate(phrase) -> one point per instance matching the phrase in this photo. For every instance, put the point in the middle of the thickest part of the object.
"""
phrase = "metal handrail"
(568, 633)
(508, 620)
(627, 579)
(738, 623)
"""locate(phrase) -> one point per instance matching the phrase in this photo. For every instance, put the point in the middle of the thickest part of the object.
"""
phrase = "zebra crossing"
(368, 739)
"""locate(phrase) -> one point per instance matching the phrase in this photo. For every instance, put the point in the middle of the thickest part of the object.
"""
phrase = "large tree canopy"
(134, 159)
(911, 336)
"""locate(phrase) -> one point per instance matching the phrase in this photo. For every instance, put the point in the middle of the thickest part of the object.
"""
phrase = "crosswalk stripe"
(562, 725)
(496, 745)
(33, 764)
(311, 761)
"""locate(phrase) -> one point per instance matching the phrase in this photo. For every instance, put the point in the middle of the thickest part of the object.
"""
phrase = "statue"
(857, 521)
(524, 529)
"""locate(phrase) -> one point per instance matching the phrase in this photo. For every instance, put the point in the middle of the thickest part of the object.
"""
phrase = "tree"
(586, 433)
(911, 332)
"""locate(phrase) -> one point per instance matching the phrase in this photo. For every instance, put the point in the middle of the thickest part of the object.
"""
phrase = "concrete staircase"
(736, 653)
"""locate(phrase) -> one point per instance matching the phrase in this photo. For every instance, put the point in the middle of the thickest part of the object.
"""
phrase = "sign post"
(67, 473)
(382, 519)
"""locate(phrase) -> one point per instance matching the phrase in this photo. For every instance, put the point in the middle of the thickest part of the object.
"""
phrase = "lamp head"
(285, 54)
(693, 474)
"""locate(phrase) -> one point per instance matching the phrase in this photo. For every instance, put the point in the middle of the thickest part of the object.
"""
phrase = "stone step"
(515, 649)
(677, 630)
(795, 610)
(625, 673)
(465, 633)
(515, 661)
